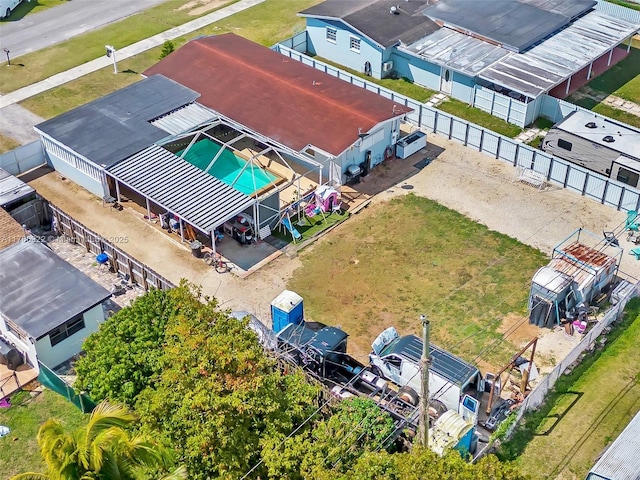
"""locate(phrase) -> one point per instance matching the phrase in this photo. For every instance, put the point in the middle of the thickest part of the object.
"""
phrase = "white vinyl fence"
(557, 171)
(23, 158)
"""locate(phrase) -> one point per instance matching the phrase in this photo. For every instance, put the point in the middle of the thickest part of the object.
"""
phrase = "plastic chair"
(635, 252)
(632, 221)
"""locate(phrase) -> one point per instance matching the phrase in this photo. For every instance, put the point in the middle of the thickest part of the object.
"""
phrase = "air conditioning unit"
(387, 66)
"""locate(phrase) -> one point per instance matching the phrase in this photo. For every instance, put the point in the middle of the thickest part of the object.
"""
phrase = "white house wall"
(67, 348)
(417, 70)
(25, 345)
(75, 168)
(339, 50)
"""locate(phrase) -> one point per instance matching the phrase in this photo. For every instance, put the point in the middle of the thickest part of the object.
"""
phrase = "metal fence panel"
(525, 156)
(490, 142)
(576, 179)
(459, 130)
(542, 162)
(629, 200)
(443, 124)
(474, 138)
(595, 187)
(507, 150)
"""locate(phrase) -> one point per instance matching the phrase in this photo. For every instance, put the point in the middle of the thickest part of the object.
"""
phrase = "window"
(565, 145)
(66, 330)
(332, 35)
(354, 44)
(628, 177)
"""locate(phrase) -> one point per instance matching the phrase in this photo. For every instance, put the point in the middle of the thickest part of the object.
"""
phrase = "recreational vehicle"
(7, 6)
(601, 145)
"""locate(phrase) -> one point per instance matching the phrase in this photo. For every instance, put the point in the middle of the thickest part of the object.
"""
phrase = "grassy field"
(19, 450)
(587, 410)
(396, 260)
(7, 143)
(31, 6)
(266, 23)
(479, 117)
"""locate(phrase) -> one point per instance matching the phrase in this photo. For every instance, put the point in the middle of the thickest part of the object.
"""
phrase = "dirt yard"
(459, 178)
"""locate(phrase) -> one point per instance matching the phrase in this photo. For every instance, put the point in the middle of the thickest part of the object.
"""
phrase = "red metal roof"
(281, 98)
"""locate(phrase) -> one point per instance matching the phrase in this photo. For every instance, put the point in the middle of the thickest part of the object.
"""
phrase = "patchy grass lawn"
(19, 450)
(7, 143)
(479, 117)
(411, 255)
(266, 23)
(31, 6)
(585, 412)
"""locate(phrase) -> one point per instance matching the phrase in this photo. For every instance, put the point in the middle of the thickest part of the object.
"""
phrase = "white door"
(446, 80)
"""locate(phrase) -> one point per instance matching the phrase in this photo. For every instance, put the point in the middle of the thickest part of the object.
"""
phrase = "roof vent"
(394, 10)
(609, 139)
(591, 125)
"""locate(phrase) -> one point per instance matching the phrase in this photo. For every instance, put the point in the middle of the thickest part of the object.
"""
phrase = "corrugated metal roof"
(513, 24)
(551, 62)
(195, 196)
(626, 140)
(12, 188)
(184, 119)
(445, 364)
(621, 460)
(457, 51)
(292, 103)
(40, 291)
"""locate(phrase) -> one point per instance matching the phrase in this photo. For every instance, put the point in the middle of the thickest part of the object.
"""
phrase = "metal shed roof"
(39, 291)
(515, 25)
(457, 51)
(195, 196)
(116, 126)
(621, 460)
(626, 139)
(374, 18)
(184, 119)
(445, 364)
(12, 189)
(551, 62)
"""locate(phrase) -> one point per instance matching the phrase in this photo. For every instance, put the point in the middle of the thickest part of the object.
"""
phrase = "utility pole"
(424, 370)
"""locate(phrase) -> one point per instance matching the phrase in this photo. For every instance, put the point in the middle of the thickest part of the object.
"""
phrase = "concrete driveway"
(72, 18)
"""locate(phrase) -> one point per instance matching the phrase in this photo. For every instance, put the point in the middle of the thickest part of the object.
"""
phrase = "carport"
(195, 197)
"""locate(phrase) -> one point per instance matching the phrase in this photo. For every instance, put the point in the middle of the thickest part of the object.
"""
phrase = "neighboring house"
(601, 145)
(47, 306)
(488, 54)
(620, 461)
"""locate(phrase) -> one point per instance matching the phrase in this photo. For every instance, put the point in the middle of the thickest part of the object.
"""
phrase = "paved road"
(72, 18)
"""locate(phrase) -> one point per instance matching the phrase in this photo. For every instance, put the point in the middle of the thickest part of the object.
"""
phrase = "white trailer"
(7, 6)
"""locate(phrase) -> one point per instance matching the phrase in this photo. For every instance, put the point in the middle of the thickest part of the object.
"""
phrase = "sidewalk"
(124, 53)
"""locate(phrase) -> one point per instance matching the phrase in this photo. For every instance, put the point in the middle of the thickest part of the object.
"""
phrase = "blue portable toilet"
(286, 308)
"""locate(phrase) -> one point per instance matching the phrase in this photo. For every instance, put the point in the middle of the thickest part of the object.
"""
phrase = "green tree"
(103, 450)
(122, 358)
(167, 48)
(219, 397)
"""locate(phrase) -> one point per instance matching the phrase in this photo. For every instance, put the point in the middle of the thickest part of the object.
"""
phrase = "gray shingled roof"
(39, 291)
(116, 126)
(374, 20)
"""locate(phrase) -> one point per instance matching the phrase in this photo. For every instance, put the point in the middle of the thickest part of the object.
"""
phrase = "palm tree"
(103, 450)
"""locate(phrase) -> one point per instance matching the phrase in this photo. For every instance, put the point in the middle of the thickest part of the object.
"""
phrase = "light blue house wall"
(74, 167)
(416, 69)
(52, 356)
(340, 51)
(462, 87)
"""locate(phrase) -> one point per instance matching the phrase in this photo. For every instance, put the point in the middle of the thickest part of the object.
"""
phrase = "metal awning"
(183, 189)
(184, 119)
(554, 60)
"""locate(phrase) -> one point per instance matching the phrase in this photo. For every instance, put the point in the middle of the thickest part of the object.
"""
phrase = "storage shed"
(599, 144)
(621, 460)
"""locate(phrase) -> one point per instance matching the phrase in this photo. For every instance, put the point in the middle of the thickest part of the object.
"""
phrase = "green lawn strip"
(396, 260)
(27, 7)
(622, 116)
(36, 66)
(7, 143)
(308, 227)
(585, 412)
(479, 117)
(280, 22)
(19, 450)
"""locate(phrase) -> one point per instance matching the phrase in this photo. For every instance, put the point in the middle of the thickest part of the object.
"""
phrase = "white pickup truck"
(7, 6)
